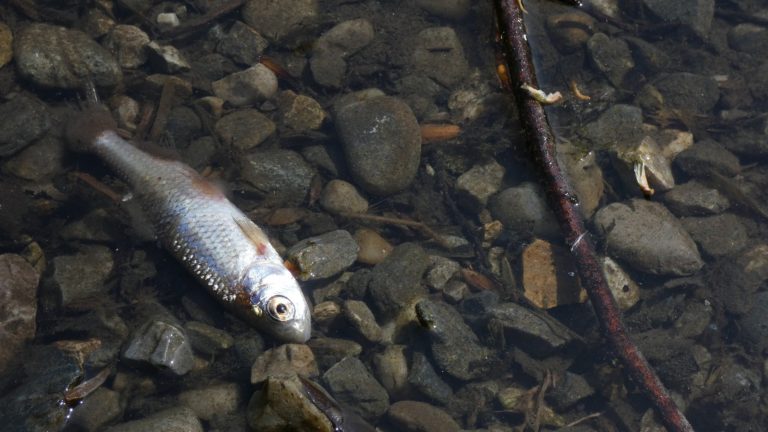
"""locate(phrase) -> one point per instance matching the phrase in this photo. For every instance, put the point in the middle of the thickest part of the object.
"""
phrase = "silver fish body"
(208, 234)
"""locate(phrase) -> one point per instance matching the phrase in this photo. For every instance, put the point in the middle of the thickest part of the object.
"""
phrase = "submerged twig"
(565, 205)
(429, 232)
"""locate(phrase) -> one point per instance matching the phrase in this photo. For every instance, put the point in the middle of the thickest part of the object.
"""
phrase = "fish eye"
(280, 308)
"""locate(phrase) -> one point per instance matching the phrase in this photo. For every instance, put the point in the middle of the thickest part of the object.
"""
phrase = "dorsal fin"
(253, 233)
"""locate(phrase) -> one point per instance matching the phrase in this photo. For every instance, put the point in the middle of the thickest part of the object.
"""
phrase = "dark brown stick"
(565, 205)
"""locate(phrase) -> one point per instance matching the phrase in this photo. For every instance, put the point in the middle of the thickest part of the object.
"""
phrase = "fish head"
(277, 304)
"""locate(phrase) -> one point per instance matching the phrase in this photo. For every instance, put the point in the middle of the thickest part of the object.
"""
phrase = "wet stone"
(735, 278)
(281, 21)
(128, 44)
(618, 124)
(425, 380)
(284, 361)
(25, 119)
(382, 143)
(695, 199)
(707, 156)
(97, 410)
(475, 306)
(323, 256)
(329, 351)
(18, 305)
(244, 129)
(479, 183)
(570, 31)
(611, 56)
(648, 237)
(373, 247)
(439, 55)
(253, 85)
(351, 383)
(161, 344)
(447, 332)
(441, 271)
(533, 332)
(687, 91)
(38, 162)
(6, 44)
(624, 289)
(696, 15)
(406, 264)
(82, 275)
(522, 210)
(339, 196)
(173, 419)
(327, 159)
(717, 235)
(391, 368)
(673, 358)
(56, 57)
(182, 124)
(283, 176)
(748, 38)
(451, 9)
(242, 44)
(569, 389)
(213, 400)
(585, 175)
(200, 152)
(300, 113)
(548, 276)
(207, 339)
(361, 318)
(282, 405)
(753, 326)
(415, 416)
(328, 63)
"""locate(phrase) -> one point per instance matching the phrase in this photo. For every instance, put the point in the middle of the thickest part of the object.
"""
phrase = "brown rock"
(549, 276)
(421, 417)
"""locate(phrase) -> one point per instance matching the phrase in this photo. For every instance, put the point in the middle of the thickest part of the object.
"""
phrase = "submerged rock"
(351, 383)
(172, 419)
(18, 305)
(422, 417)
(648, 237)
(161, 344)
(323, 256)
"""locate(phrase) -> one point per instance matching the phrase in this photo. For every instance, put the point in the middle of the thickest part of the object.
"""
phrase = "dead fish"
(209, 235)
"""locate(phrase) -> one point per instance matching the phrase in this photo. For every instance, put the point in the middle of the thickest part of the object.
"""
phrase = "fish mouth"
(297, 330)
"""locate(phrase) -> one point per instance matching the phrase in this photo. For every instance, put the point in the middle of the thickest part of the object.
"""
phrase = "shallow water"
(439, 320)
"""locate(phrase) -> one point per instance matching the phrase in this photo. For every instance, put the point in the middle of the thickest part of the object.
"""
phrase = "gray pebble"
(753, 326)
(327, 159)
(351, 383)
(281, 21)
(648, 237)
(97, 410)
(171, 420)
(255, 84)
(423, 378)
(242, 44)
(18, 305)
(56, 57)
(82, 275)
(207, 339)
(695, 14)
(244, 129)
(339, 196)
(455, 347)
(128, 44)
(451, 9)
(25, 119)
(706, 156)
(200, 152)
(212, 400)
(441, 271)
(281, 175)
(687, 91)
(717, 235)
(619, 124)
(284, 361)
(323, 256)
(533, 332)
(611, 56)
(162, 344)
(328, 63)
(382, 143)
(391, 369)
(329, 351)
(570, 389)
(300, 113)
(438, 54)
(361, 318)
(522, 210)
(282, 405)
(38, 162)
(182, 125)
(475, 186)
(695, 199)
(406, 264)
(415, 416)
(748, 38)
(735, 278)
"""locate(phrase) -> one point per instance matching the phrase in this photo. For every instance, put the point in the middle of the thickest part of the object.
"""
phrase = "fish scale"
(214, 240)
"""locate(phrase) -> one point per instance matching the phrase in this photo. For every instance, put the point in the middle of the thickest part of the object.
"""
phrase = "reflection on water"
(375, 143)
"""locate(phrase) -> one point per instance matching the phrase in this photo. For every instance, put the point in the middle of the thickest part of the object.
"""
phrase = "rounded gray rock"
(341, 197)
(324, 255)
(352, 384)
(522, 209)
(171, 420)
(281, 175)
(57, 57)
(279, 21)
(439, 55)
(382, 143)
(648, 237)
(244, 129)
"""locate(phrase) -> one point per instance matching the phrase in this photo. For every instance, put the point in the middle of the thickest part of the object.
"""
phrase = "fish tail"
(85, 126)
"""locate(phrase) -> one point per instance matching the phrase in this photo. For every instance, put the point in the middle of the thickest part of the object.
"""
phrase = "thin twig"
(564, 203)
(398, 221)
(99, 186)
